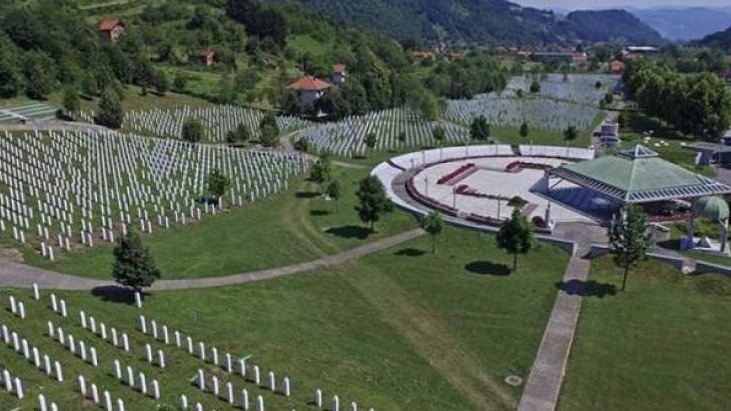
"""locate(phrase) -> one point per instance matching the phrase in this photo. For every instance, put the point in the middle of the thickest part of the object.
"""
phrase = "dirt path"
(14, 274)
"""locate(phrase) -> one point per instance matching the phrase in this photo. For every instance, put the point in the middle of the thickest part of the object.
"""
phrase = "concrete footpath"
(544, 383)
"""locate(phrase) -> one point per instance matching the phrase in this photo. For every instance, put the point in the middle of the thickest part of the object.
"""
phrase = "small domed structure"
(713, 208)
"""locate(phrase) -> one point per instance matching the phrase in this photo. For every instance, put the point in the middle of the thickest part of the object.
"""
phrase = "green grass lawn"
(661, 345)
(400, 330)
(673, 151)
(294, 226)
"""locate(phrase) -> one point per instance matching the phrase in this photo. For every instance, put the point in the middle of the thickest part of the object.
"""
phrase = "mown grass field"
(400, 330)
(294, 226)
(661, 345)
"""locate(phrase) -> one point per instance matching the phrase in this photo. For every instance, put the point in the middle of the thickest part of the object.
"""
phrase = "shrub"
(538, 221)
(517, 202)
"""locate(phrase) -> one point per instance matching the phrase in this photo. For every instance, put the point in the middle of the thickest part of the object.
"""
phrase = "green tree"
(302, 144)
(71, 101)
(570, 133)
(193, 130)
(622, 120)
(10, 77)
(89, 85)
(180, 81)
(372, 201)
(240, 134)
(334, 192)
(479, 129)
(133, 265)
(40, 75)
(401, 137)
(269, 136)
(433, 225)
(370, 140)
(535, 87)
(218, 183)
(269, 130)
(162, 82)
(524, 129)
(630, 240)
(321, 172)
(438, 133)
(516, 236)
(110, 110)
(519, 93)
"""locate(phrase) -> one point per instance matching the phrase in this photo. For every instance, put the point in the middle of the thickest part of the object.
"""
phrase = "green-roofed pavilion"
(638, 175)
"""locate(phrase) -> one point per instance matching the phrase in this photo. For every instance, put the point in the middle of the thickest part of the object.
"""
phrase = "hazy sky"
(597, 4)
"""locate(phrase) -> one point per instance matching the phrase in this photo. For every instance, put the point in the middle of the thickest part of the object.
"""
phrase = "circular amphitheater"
(481, 185)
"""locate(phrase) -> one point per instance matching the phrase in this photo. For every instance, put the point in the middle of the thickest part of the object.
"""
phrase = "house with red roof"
(112, 29)
(339, 72)
(616, 67)
(309, 88)
(207, 57)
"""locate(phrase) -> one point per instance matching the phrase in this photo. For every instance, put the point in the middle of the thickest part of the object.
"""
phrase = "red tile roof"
(309, 83)
(617, 66)
(110, 24)
(339, 68)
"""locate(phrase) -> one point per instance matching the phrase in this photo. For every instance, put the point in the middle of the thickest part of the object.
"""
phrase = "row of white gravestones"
(183, 402)
(58, 305)
(89, 323)
(105, 400)
(128, 377)
(43, 404)
(21, 346)
(125, 174)
(158, 360)
(254, 376)
(12, 384)
(335, 404)
(17, 307)
(47, 252)
(227, 395)
(76, 348)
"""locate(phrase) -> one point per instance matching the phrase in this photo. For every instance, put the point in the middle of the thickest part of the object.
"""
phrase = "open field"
(400, 330)
(658, 346)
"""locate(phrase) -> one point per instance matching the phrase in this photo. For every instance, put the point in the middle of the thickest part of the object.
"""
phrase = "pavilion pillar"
(688, 242)
(724, 236)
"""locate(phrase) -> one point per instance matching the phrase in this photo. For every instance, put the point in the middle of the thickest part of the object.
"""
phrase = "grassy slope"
(401, 330)
(659, 346)
(292, 227)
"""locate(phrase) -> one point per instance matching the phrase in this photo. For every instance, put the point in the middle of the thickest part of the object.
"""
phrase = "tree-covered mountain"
(48, 46)
(720, 40)
(685, 23)
(481, 21)
(613, 26)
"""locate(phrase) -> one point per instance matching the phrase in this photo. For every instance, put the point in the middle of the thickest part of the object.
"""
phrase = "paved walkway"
(23, 276)
(546, 376)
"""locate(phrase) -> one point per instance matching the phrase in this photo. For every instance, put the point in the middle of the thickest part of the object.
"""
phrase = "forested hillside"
(49, 45)
(721, 40)
(612, 25)
(480, 21)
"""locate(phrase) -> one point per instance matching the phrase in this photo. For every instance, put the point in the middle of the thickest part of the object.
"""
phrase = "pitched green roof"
(639, 175)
